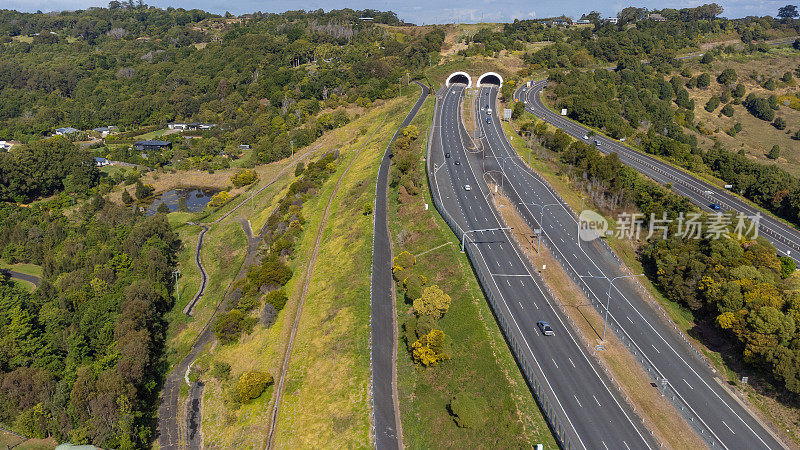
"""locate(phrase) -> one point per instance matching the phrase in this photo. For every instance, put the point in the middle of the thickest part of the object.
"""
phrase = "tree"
(707, 58)
(162, 208)
(788, 266)
(143, 191)
(126, 197)
(244, 177)
(770, 84)
(429, 349)
(219, 199)
(787, 12)
(728, 110)
(519, 109)
(251, 385)
(712, 104)
(434, 302)
(727, 77)
(703, 80)
(739, 91)
(779, 123)
(775, 152)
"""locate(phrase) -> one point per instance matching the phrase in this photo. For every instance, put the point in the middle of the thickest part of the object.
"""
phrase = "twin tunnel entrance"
(487, 79)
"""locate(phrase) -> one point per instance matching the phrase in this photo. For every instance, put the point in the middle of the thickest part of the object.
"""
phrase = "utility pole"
(608, 299)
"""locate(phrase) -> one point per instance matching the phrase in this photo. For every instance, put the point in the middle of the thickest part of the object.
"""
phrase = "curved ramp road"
(582, 408)
(388, 433)
(785, 237)
(22, 276)
(672, 363)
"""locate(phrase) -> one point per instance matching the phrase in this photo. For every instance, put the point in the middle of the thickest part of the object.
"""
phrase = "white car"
(585, 137)
(467, 187)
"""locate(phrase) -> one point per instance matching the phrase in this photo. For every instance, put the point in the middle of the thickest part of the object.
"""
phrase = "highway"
(585, 410)
(671, 362)
(784, 237)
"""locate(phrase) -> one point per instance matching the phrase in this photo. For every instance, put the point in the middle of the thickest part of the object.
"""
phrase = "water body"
(182, 199)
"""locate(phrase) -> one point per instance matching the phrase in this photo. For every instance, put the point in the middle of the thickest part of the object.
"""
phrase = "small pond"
(181, 199)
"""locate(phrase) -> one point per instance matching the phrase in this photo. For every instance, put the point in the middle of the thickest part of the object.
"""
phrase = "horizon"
(423, 13)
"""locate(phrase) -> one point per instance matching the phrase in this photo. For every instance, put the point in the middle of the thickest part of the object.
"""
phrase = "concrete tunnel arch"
(490, 78)
(459, 77)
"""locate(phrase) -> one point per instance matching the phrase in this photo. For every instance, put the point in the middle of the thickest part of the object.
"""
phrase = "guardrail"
(600, 306)
(531, 378)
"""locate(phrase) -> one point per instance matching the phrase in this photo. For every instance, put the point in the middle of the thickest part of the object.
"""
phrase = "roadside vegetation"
(458, 383)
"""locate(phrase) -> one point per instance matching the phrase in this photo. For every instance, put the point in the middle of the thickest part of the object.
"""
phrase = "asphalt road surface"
(687, 380)
(384, 327)
(22, 276)
(786, 238)
(589, 412)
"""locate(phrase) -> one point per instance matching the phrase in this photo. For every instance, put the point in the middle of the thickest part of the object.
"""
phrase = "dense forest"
(81, 356)
(262, 78)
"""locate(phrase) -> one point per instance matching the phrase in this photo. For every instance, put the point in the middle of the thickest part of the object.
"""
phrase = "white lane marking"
(629, 319)
(726, 426)
(598, 401)
(554, 362)
(509, 283)
(570, 361)
(535, 306)
(626, 445)
(604, 444)
(659, 351)
(687, 383)
(576, 399)
(520, 305)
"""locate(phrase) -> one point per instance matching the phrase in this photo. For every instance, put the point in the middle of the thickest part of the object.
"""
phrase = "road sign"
(744, 380)
(563, 111)
(728, 186)
(506, 114)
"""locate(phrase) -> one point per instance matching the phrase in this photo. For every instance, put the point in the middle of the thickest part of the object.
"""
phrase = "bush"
(739, 91)
(251, 385)
(220, 370)
(770, 84)
(727, 77)
(126, 197)
(788, 266)
(219, 199)
(413, 284)
(775, 152)
(703, 80)
(433, 302)
(405, 260)
(468, 411)
(299, 168)
(779, 123)
(728, 110)
(712, 104)
(244, 177)
(367, 208)
(429, 349)
(143, 190)
(759, 107)
(277, 298)
(162, 208)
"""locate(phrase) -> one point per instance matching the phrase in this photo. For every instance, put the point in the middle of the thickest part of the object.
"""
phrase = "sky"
(426, 11)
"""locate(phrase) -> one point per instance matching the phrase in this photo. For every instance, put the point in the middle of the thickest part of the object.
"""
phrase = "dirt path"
(276, 401)
(169, 429)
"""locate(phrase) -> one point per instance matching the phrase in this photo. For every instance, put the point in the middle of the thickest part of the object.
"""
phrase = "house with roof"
(105, 131)
(152, 145)
(6, 145)
(657, 17)
(64, 131)
(176, 126)
(613, 20)
(100, 162)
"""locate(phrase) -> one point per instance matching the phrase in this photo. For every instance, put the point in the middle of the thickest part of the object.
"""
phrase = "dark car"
(715, 206)
(447, 155)
(488, 120)
(458, 163)
(545, 327)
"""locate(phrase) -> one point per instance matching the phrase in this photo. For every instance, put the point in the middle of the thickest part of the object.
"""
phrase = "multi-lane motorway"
(685, 378)
(585, 408)
(785, 237)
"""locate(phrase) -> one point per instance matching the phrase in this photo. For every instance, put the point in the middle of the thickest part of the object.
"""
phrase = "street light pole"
(608, 295)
